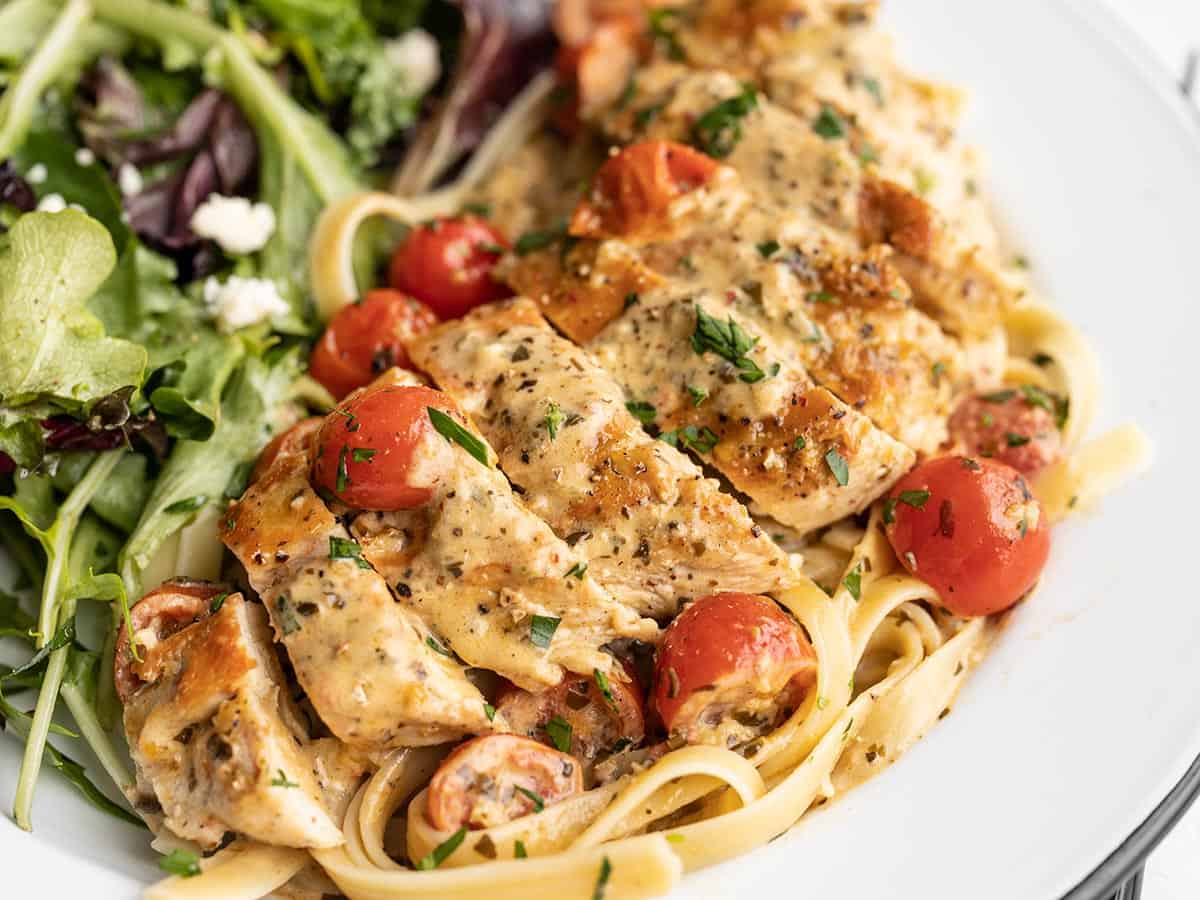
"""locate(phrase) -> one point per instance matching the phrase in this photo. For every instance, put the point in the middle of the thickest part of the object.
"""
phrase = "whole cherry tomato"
(448, 265)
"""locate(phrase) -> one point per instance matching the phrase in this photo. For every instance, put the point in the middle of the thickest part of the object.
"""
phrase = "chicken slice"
(803, 456)
(652, 528)
(365, 661)
(498, 587)
(211, 730)
(806, 171)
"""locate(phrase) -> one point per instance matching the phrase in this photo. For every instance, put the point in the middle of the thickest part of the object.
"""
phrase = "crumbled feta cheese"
(773, 460)
(240, 302)
(129, 179)
(84, 157)
(416, 54)
(234, 223)
(52, 203)
(37, 173)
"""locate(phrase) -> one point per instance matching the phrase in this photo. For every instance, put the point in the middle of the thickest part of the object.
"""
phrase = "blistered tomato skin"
(496, 778)
(367, 338)
(971, 529)
(1008, 427)
(448, 265)
(598, 721)
(729, 651)
(379, 450)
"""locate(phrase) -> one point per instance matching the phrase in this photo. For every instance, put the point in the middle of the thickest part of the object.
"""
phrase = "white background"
(1172, 29)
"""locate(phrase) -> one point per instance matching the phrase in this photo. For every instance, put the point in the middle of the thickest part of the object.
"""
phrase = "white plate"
(1085, 715)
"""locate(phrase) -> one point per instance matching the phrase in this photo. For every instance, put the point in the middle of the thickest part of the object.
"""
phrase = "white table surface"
(1172, 29)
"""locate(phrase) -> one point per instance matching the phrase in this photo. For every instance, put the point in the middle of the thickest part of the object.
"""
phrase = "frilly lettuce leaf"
(52, 347)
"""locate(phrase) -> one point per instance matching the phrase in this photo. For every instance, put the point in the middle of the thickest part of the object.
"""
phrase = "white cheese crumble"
(234, 223)
(37, 173)
(415, 53)
(129, 180)
(84, 157)
(52, 203)
(773, 460)
(240, 302)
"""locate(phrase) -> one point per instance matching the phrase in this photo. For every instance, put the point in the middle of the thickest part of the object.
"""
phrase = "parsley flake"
(554, 419)
(442, 851)
(519, 850)
(718, 131)
(578, 571)
(281, 780)
(558, 730)
(698, 394)
(456, 434)
(362, 454)
(889, 511)
(729, 341)
(838, 466)
(436, 646)
(1015, 440)
(605, 688)
(875, 89)
(538, 801)
(288, 623)
(217, 602)
(343, 476)
(853, 581)
(642, 410)
(702, 440)
(829, 123)
(767, 249)
(915, 499)
(541, 630)
(345, 548)
(489, 711)
(532, 241)
(602, 879)
(183, 863)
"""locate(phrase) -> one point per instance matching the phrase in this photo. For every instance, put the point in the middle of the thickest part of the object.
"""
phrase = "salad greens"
(131, 405)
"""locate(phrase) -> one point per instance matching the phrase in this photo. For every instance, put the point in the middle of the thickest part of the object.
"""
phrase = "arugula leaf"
(51, 346)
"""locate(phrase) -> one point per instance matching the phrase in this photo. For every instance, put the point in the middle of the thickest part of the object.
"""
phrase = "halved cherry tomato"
(1011, 426)
(448, 265)
(971, 529)
(167, 609)
(379, 450)
(728, 659)
(598, 711)
(633, 190)
(496, 778)
(367, 338)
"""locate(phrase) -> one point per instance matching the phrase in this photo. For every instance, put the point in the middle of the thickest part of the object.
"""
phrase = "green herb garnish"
(539, 803)
(343, 476)
(436, 646)
(187, 505)
(532, 241)
(729, 341)
(838, 466)
(183, 863)
(558, 730)
(853, 581)
(554, 419)
(442, 851)
(456, 434)
(915, 499)
(698, 394)
(643, 411)
(829, 123)
(605, 687)
(602, 879)
(217, 602)
(702, 440)
(345, 548)
(577, 571)
(767, 249)
(719, 129)
(541, 630)
(288, 623)
(362, 454)
(281, 780)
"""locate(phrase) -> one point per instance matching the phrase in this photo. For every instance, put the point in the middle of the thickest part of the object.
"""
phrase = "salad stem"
(21, 98)
(161, 22)
(98, 739)
(57, 608)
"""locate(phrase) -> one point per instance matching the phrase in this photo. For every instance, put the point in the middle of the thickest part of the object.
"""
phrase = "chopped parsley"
(800, 443)
(889, 510)
(558, 730)
(970, 464)
(532, 241)
(627, 94)
(729, 341)
(1020, 261)
(541, 630)
(519, 850)
(605, 688)
(217, 602)
(1001, 396)
(578, 571)
(767, 249)
(1035, 396)
(539, 803)
(554, 419)
(645, 116)
(602, 879)
(937, 371)
(183, 863)
(875, 89)
(456, 434)
(187, 505)
(343, 476)
(702, 440)
(642, 410)
(631, 299)
(436, 646)
(820, 297)
(915, 499)
(853, 581)
(663, 25)
(698, 394)
(923, 181)
(718, 131)
(281, 780)
(1015, 440)
(867, 154)
(343, 548)
(362, 454)
(442, 851)
(489, 711)
(829, 123)
(288, 623)
(838, 466)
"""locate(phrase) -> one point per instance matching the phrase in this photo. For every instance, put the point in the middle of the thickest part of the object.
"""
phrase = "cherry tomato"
(164, 611)
(598, 712)
(971, 529)
(633, 190)
(1015, 427)
(448, 265)
(367, 338)
(728, 656)
(379, 449)
(496, 778)
(593, 73)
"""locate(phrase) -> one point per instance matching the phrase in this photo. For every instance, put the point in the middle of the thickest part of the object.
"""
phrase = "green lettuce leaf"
(51, 346)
